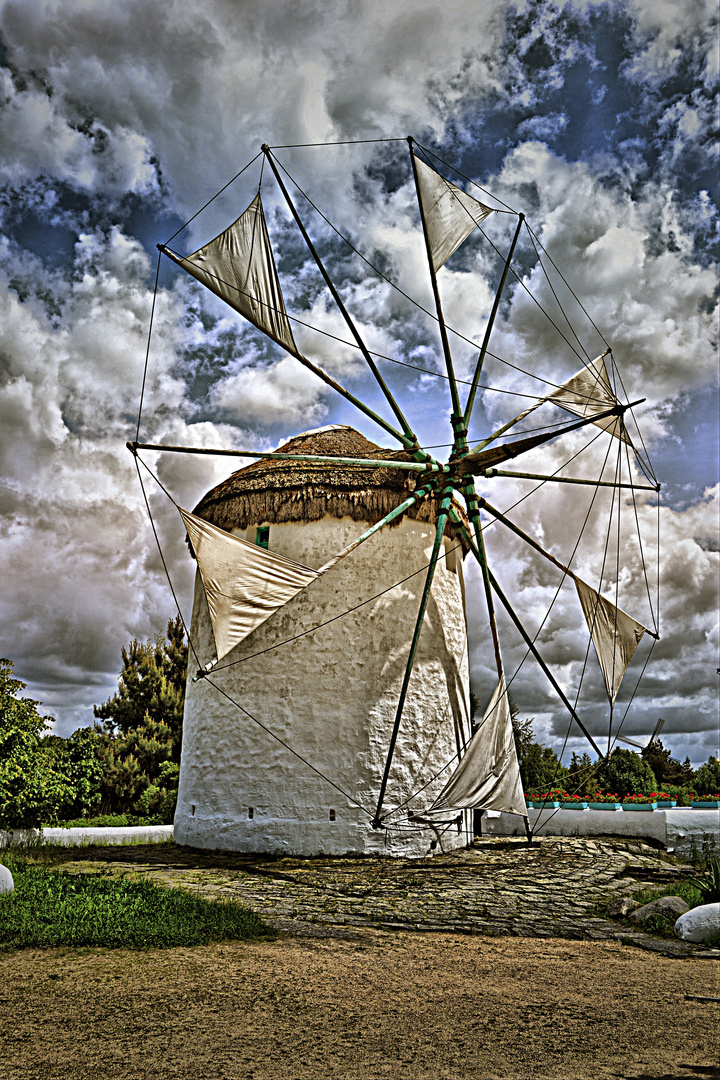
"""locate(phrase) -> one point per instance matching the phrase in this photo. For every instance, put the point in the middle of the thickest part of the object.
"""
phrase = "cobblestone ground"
(557, 887)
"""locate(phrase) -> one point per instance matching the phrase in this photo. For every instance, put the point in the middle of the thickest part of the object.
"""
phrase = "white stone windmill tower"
(331, 694)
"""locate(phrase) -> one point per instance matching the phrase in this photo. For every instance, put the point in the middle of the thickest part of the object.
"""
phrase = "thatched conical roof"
(271, 491)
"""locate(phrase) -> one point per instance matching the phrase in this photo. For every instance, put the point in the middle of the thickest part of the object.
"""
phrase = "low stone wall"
(679, 830)
(130, 834)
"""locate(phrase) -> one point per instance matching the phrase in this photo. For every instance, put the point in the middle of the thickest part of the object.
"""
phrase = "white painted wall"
(681, 829)
(332, 696)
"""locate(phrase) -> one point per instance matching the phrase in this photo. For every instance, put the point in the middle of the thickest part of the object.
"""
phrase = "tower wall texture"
(331, 696)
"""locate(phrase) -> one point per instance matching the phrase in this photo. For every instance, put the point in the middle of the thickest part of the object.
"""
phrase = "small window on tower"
(262, 536)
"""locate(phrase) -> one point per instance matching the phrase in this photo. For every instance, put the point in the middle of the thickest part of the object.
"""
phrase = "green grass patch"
(51, 908)
(664, 925)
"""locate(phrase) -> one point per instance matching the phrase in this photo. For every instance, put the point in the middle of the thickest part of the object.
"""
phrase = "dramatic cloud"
(117, 122)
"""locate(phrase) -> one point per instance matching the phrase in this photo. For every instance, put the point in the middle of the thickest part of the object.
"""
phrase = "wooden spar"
(328, 379)
(570, 480)
(374, 463)
(541, 550)
(476, 464)
(488, 328)
(439, 533)
(457, 420)
(516, 419)
(474, 514)
(417, 496)
(526, 637)
(410, 435)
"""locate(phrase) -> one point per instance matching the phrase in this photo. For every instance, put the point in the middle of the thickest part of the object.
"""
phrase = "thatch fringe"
(272, 492)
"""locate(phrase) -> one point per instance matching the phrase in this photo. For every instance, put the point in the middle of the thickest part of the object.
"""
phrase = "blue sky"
(118, 122)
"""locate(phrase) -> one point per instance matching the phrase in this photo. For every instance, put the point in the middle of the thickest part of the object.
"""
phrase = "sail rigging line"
(490, 323)
(453, 168)
(410, 299)
(645, 464)
(295, 753)
(341, 142)
(338, 300)
(215, 196)
(569, 286)
(534, 299)
(552, 289)
(207, 678)
(147, 348)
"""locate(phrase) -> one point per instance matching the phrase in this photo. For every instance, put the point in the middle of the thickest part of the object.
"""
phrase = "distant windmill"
(653, 737)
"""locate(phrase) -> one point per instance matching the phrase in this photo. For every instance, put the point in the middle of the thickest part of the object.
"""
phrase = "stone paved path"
(558, 887)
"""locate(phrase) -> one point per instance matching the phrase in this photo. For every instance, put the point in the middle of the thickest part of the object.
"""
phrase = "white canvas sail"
(488, 777)
(585, 393)
(244, 584)
(450, 214)
(238, 266)
(615, 635)
(589, 392)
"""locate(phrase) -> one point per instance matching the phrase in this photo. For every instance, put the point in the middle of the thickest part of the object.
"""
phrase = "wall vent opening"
(251, 812)
(332, 815)
(192, 809)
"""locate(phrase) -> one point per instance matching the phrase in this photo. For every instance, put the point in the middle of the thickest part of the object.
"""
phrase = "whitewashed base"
(131, 834)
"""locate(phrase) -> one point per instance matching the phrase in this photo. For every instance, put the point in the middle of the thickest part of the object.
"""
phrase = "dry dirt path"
(537, 985)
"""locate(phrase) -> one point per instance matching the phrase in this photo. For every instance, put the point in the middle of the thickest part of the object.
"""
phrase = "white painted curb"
(130, 834)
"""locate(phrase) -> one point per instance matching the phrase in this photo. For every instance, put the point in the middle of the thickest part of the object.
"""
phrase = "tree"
(667, 770)
(78, 759)
(32, 787)
(707, 778)
(140, 739)
(583, 774)
(625, 773)
(539, 765)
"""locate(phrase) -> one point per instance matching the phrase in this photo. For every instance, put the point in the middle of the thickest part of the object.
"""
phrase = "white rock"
(6, 880)
(699, 923)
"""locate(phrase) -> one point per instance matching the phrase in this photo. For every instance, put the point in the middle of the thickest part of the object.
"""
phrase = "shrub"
(32, 787)
(626, 773)
(707, 777)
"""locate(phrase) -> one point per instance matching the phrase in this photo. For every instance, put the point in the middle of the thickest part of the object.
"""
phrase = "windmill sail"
(586, 393)
(244, 584)
(450, 215)
(615, 635)
(488, 777)
(238, 266)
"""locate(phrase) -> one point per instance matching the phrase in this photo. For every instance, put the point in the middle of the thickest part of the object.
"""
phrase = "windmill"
(247, 585)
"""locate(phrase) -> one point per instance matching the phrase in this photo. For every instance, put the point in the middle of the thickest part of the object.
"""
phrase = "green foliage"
(33, 787)
(626, 773)
(582, 775)
(109, 821)
(49, 908)
(139, 742)
(666, 769)
(78, 760)
(539, 765)
(709, 882)
(707, 778)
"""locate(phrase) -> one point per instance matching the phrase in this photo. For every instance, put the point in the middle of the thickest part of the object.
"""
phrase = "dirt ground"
(372, 1004)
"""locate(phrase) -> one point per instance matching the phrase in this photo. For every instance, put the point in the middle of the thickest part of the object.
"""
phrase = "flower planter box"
(666, 804)
(540, 805)
(645, 806)
(605, 806)
(705, 804)
(574, 806)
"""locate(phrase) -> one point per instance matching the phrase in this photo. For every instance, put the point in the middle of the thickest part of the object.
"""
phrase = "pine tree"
(141, 733)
